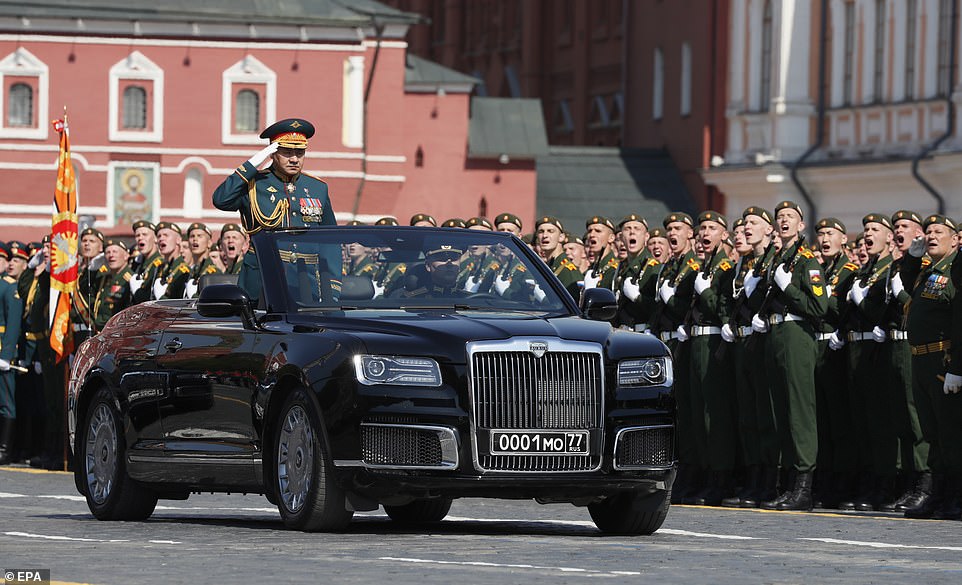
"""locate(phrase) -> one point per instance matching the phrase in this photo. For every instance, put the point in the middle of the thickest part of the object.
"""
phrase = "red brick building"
(164, 102)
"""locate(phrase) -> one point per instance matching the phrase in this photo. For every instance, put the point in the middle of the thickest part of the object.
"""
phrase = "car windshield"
(409, 268)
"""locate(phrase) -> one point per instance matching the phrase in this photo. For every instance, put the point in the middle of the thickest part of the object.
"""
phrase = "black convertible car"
(378, 366)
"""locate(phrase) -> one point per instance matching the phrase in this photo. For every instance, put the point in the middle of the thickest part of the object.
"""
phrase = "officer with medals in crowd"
(11, 314)
(600, 245)
(837, 456)
(281, 196)
(114, 292)
(932, 319)
(148, 263)
(199, 239)
(635, 281)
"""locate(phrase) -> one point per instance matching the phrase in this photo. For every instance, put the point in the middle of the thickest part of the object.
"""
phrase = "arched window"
(135, 108)
(20, 108)
(247, 111)
(658, 86)
(765, 87)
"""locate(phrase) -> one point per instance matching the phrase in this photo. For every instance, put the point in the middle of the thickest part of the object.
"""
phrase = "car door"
(208, 415)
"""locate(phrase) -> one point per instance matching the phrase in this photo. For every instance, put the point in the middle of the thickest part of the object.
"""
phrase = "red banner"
(63, 247)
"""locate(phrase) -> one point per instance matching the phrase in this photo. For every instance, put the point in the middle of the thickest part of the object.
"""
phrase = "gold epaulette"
(127, 276)
(10, 279)
(725, 265)
(103, 269)
(652, 262)
(926, 261)
(211, 269)
(850, 266)
(183, 268)
(494, 266)
(313, 177)
(613, 263)
(158, 261)
(521, 268)
(402, 268)
(693, 264)
(805, 252)
(568, 264)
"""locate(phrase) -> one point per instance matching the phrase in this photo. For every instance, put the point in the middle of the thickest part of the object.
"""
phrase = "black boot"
(719, 487)
(800, 498)
(765, 490)
(6, 440)
(927, 506)
(697, 489)
(787, 479)
(749, 485)
(951, 508)
(682, 485)
(865, 487)
(921, 492)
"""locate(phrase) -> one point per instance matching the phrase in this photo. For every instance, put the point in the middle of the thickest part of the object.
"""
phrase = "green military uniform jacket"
(11, 315)
(643, 269)
(930, 317)
(483, 270)
(607, 268)
(113, 296)
(567, 273)
(509, 281)
(839, 273)
(713, 305)
(35, 317)
(805, 295)
(365, 266)
(88, 283)
(391, 276)
(149, 271)
(175, 276)
(894, 317)
(679, 272)
(872, 311)
(203, 268)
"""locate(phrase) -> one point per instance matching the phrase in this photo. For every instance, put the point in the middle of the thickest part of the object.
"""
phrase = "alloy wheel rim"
(295, 459)
(100, 454)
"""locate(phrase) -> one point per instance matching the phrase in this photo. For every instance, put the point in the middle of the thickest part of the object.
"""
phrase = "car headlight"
(645, 372)
(397, 370)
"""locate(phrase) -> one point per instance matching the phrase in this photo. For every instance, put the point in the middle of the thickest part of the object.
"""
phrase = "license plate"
(539, 442)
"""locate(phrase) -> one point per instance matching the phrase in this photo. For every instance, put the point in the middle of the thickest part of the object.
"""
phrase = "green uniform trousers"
(872, 408)
(712, 386)
(757, 432)
(790, 363)
(837, 444)
(685, 432)
(913, 448)
(939, 414)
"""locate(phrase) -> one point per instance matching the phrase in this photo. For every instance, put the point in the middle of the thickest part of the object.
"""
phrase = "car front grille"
(561, 390)
(398, 445)
(645, 447)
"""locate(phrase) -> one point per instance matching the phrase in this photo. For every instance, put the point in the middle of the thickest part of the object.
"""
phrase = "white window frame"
(137, 67)
(352, 102)
(247, 71)
(22, 63)
(193, 193)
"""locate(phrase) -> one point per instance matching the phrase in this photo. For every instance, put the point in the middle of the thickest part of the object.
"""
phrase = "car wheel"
(307, 497)
(631, 513)
(111, 493)
(418, 511)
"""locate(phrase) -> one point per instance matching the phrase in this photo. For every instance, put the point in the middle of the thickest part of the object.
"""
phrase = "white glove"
(682, 334)
(591, 280)
(728, 336)
(190, 289)
(953, 383)
(538, 293)
(702, 283)
(782, 277)
(878, 334)
(631, 289)
(665, 292)
(35, 260)
(160, 288)
(751, 282)
(828, 290)
(471, 286)
(378, 289)
(758, 324)
(857, 293)
(501, 284)
(263, 154)
(38, 367)
(647, 331)
(896, 286)
(97, 261)
(917, 247)
(136, 281)
(4, 365)
(835, 341)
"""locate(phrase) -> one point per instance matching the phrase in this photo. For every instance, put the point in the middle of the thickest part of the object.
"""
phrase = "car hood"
(444, 334)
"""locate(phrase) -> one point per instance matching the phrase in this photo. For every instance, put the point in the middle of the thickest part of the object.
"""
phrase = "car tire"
(111, 493)
(420, 511)
(307, 496)
(631, 513)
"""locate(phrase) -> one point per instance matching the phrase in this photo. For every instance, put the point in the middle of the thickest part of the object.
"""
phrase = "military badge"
(815, 276)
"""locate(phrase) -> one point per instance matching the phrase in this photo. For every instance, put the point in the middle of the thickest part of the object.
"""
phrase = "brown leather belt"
(931, 347)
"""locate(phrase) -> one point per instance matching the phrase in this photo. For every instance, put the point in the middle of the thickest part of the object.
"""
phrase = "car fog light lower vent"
(645, 447)
(408, 446)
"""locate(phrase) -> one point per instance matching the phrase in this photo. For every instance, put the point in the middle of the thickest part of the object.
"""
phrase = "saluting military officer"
(712, 392)
(600, 245)
(932, 315)
(148, 264)
(114, 293)
(550, 232)
(837, 454)
(11, 314)
(280, 196)
(637, 274)
(796, 303)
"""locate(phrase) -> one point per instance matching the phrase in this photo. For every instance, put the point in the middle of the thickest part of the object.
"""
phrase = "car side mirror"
(599, 304)
(224, 300)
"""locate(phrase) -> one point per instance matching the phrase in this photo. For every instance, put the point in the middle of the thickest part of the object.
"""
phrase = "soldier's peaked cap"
(906, 214)
(758, 212)
(713, 216)
(291, 132)
(831, 222)
(789, 205)
(877, 218)
(676, 216)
